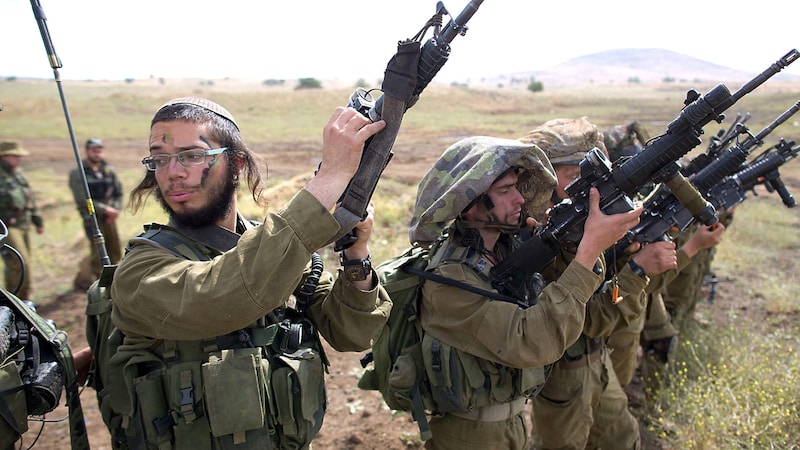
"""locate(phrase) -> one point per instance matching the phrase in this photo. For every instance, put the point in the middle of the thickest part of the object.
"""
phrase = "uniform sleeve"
(31, 206)
(603, 317)
(78, 191)
(348, 318)
(159, 295)
(115, 197)
(503, 332)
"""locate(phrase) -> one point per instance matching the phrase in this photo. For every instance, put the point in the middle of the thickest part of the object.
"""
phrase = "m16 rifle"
(763, 170)
(664, 212)
(409, 71)
(616, 184)
(716, 145)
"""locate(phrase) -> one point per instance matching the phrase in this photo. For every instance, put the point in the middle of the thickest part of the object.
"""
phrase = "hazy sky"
(351, 39)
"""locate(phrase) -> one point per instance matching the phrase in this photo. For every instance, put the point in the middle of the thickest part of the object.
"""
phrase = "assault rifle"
(664, 212)
(716, 145)
(763, 170)
(407, 74)
(617, 183)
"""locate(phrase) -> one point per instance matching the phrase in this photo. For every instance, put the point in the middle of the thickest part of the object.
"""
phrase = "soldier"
(484, 358)
(582, 404)
(681, 294)
(106, 191)
(625, 139)
(659, 337)
(18, 211)
(215, 355)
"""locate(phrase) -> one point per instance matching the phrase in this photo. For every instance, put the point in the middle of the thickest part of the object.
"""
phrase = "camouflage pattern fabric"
(566, 141)
(466, 170)
(620, 139)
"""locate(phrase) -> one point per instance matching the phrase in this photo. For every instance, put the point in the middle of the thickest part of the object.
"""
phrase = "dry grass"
(736, 382)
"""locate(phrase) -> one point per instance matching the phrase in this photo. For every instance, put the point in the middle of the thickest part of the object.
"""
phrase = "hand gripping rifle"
(618, 183)
(409, 71)
(78, 436)
(763, 170)
(664, 212)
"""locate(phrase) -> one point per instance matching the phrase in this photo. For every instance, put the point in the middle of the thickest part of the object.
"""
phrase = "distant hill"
(623, 65)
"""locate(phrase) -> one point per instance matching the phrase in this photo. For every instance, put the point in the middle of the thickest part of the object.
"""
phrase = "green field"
(737, 383)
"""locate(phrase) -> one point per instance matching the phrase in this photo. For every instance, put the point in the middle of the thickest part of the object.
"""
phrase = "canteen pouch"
(407, 378)
(234, 381)
(297, 398)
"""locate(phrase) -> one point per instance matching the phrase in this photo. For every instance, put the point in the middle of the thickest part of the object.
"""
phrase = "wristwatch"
(356, 269)
(636, 268)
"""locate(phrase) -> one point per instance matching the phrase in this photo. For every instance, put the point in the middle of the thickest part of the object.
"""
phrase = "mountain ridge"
(652, 65)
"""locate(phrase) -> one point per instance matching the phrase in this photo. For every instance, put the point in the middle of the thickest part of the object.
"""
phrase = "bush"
(308, 83)
(535, 86)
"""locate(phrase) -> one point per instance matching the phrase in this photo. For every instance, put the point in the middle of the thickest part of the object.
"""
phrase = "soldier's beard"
(220, 205)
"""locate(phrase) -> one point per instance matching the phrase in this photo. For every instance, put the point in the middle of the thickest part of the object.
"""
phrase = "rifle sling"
(467, 287)
(399, 83)
(373, 162)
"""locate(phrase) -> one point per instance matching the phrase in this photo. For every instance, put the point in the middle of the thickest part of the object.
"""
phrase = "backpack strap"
(165, 238)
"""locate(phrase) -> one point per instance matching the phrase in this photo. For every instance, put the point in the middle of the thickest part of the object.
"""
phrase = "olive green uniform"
(106, 191)
(654, 324)
(682, 293)
(659, 337)
(168, 306)
(582, 404)
(18, 211)
(499, 341)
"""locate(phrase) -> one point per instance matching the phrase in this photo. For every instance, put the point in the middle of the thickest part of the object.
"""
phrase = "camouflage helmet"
(566, 141)
(468, 169)
(625, 139)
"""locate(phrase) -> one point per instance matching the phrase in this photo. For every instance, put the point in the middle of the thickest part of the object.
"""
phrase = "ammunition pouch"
(462, 384)
(262, 386)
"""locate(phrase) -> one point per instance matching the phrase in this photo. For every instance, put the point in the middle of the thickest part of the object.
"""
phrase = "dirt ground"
(356, 419)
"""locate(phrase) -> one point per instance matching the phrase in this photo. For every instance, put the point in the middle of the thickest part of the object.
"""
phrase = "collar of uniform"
(212, 236)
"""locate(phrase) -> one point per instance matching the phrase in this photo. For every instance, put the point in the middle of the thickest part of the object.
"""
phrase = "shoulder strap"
(442, 252)
(165, 238)
(467, 287)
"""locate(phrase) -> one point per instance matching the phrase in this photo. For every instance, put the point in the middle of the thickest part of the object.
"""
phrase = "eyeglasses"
(187, 158)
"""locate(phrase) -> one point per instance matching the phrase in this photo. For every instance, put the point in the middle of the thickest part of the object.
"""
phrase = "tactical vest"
(260, 387)
(462, 383)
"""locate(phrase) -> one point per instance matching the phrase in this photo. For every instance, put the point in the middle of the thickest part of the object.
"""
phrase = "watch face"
(356, 272)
